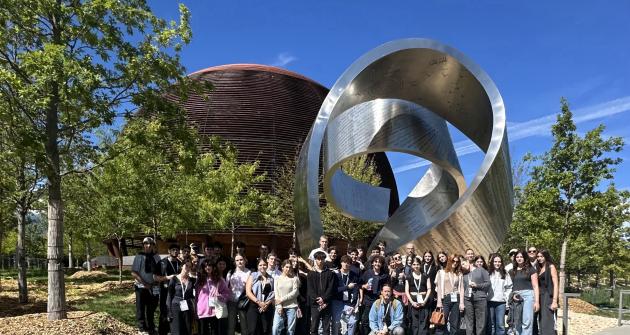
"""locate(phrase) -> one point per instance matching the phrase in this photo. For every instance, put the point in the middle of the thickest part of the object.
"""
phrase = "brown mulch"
(79, 322)
(88, 274)
(581, 306)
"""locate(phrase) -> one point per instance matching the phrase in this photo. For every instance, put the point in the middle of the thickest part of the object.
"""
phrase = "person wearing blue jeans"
(525, 284)
(286, 291)
(344, 305)
(501, 287)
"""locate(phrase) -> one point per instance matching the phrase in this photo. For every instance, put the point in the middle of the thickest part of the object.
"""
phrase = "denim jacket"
(377, 313)
(257, 286)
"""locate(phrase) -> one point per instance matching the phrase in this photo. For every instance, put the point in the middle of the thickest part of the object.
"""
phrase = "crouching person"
(386, 314)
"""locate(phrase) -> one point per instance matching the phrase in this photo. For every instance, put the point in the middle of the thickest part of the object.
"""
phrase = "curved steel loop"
(437, 215)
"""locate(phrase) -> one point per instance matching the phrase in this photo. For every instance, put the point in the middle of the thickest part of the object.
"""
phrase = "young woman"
(236, 280)
(210, 290)
(300, 269)
(430, 269)
(259, 289)
(476, 284)
(448, 285)
(180, 300)
(525, 286)
(286, 292)
(418, 291)
(548, 287)
(222, 267)
(501, 285)
(442, 259)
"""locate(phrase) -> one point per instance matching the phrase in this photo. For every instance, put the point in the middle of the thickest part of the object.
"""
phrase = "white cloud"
(283, 59)
(535, 127)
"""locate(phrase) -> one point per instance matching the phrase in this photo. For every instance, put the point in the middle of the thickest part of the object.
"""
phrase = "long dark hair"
(432, 257)
(548, 259)
(445, 264)
(484, 265)
(526, 264)
(491, 265)
(203, 276)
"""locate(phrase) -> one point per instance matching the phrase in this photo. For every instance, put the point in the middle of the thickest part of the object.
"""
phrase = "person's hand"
(554, 306)
(278, 301)
(536, 307)
(260, 304)
(279, 310)
(472, 284)
(351, 285)
(364, 286)
(319, 301)
(461, 307)
(439, 304)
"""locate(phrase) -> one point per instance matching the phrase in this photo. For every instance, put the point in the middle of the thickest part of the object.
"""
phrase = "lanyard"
(387, 305)
(185, 287)
(417, 284)
(347, 278)
(176, 269)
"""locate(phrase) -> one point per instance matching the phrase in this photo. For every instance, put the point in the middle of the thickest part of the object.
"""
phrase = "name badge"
(453, 296)
(420, 298)
(212, 301)
(183, 305)
(346, 296)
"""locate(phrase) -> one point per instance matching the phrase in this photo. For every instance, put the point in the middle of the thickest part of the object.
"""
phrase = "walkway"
(623, 330)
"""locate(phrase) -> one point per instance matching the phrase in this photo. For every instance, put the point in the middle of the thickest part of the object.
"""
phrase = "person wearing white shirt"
(272, 266)
(323, 247)
(501, 288)
(236, 282)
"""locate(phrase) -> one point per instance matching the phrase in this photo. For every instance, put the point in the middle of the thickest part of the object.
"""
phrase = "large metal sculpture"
(398, 97)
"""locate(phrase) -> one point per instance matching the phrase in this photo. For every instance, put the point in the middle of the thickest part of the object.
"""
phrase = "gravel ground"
(585, 324)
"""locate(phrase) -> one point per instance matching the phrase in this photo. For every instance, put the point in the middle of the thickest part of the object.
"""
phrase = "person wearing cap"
(147, 289)
(509, 266)
(321, 289)
(169, 267)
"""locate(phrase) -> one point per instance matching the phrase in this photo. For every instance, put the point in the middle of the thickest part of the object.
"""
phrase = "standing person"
(222, 266)
(525, 287)
(361, 254)
(430, 269)
(323, 247)
(184, 254)
(532, 252)
(356, 266)
(501, 285)
(236, 280)
(398, 279)
(347, 295)
(372, 282)
(442, 260)
(386, 314)
(321, 290)
(448, 282)
(145, 266)
(169, 267)
(332, 262)
(273, 268)
(476, 284)
(180, 301)
(208, 252)
(210, 289)
(410, 253)
(263, 251)
(470, 257)
(510, 263)
(381, 246)
(548, 287)
(418, 291)
(286, 292)
(259, 289)
(300, 269)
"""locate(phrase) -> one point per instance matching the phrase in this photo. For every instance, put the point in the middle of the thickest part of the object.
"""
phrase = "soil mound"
(88, 275)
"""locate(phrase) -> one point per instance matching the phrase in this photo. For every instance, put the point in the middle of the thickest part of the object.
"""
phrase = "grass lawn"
(112, 302)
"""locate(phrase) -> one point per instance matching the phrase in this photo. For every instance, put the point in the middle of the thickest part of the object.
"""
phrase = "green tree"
(568, 177)
(281, 199)
(363, 169)
(68, 67)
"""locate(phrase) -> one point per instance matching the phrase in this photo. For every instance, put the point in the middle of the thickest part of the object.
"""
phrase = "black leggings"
(259, 323)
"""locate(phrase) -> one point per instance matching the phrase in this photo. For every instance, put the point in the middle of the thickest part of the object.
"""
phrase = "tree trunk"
(70, 264)
(561, 279)
(87, 255)
(597, 280)
(20, 257)
(155, 231)
(120, 261)
(232, 247)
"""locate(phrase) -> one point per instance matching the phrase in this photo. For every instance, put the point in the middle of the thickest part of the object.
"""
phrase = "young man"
(321, 287)
(386, 314)
(169, 267)
(345, 303)
(356, 265)
(332, 262)
(531, 255)
(145, 265)
(323, 247)
(372, 282)
(273, 268)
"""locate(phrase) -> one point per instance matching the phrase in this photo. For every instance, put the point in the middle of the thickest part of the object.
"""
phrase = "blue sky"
(534, 51)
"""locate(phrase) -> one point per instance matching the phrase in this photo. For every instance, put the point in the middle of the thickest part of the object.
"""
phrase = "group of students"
(351, 294)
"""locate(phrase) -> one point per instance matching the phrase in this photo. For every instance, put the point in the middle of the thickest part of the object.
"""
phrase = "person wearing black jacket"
(322, 286)
(180, 301)
(345, 302)
(169, 267)
(371, 283)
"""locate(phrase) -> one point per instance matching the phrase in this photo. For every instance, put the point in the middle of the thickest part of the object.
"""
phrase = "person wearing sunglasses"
(448, 288)
(531, 255)
(525, 289)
